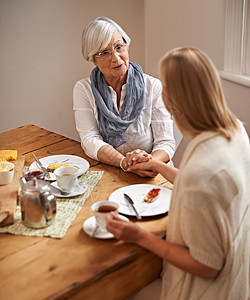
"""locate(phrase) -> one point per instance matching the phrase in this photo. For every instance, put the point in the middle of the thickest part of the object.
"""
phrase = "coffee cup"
(101, 210)
(66, 178)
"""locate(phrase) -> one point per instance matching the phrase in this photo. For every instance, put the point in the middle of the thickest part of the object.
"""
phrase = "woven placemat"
(67, 209)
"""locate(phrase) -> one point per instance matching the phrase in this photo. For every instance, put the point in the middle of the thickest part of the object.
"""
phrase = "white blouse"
(152, 131)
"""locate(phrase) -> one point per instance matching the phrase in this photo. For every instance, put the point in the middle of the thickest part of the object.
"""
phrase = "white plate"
(137, 192)
(89, 227)
(79, 189)
(80, 163)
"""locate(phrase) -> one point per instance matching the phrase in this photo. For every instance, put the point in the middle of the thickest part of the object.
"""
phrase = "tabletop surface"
(76, 266)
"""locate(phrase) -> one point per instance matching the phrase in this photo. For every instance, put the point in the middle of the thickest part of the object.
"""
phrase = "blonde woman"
(119, 112)
(206, 253)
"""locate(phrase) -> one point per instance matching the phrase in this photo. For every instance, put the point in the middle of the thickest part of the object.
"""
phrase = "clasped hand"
(136, 157)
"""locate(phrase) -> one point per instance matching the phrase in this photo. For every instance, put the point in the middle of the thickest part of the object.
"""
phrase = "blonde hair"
(195, 95)
(97, 35)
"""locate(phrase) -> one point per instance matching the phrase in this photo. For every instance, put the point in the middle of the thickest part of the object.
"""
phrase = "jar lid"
(34, 185)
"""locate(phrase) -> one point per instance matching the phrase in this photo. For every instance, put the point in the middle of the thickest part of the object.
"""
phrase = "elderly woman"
(206, 253)
(119, 112)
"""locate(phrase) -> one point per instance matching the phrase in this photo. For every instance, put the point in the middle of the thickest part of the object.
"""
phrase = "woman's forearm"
(169, 172)
(109, 155)
(176, 255)
(160, 155)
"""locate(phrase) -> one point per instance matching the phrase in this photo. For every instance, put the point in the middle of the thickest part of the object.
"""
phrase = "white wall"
(180, 23)
(40, 56)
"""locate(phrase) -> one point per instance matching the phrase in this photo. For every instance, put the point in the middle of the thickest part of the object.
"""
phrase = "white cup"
(101, 210)
(66, 178)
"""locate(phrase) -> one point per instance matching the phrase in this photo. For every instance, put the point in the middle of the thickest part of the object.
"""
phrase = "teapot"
(38, 204)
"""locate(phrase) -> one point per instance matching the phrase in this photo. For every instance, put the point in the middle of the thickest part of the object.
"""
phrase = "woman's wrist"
(123, 167)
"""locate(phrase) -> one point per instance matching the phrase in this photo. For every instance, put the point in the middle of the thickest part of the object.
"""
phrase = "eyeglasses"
(106, 54)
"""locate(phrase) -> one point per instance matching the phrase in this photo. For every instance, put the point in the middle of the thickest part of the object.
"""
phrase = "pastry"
(8, 155)
(51, 168)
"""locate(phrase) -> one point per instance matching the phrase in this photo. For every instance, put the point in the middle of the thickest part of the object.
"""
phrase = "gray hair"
(97, 35)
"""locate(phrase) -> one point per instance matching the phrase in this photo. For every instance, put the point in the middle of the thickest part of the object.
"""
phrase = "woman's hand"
(136, 157)
(123, 230)
(143, 166)
(156, 166)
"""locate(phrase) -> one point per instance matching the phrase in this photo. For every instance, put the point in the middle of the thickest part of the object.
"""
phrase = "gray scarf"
(112, 125)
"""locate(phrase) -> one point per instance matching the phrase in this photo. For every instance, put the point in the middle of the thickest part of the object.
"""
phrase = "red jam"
(153, 193)
(38, 174)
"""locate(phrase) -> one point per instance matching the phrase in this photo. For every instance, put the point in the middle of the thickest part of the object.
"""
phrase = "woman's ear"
(93, 61)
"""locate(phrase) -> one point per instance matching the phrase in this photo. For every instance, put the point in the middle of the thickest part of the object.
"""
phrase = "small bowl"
(6, 176)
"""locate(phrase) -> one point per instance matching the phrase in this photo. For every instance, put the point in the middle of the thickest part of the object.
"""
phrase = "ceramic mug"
(101, 211)
(66, 178)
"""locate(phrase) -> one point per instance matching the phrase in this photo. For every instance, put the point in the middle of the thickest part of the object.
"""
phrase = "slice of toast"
(152, 195)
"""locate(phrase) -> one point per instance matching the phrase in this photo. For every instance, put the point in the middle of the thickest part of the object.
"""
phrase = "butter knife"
(47, 174)
(131, 202)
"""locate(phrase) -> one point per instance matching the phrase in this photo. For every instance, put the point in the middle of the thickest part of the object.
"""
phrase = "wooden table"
(76, 266)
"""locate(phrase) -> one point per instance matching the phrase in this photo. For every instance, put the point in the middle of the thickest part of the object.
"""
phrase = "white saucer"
(89, 227)
(79, 189)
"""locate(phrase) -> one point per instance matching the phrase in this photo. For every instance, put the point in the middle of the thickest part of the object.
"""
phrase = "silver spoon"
(94, 231)
(58, 190)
